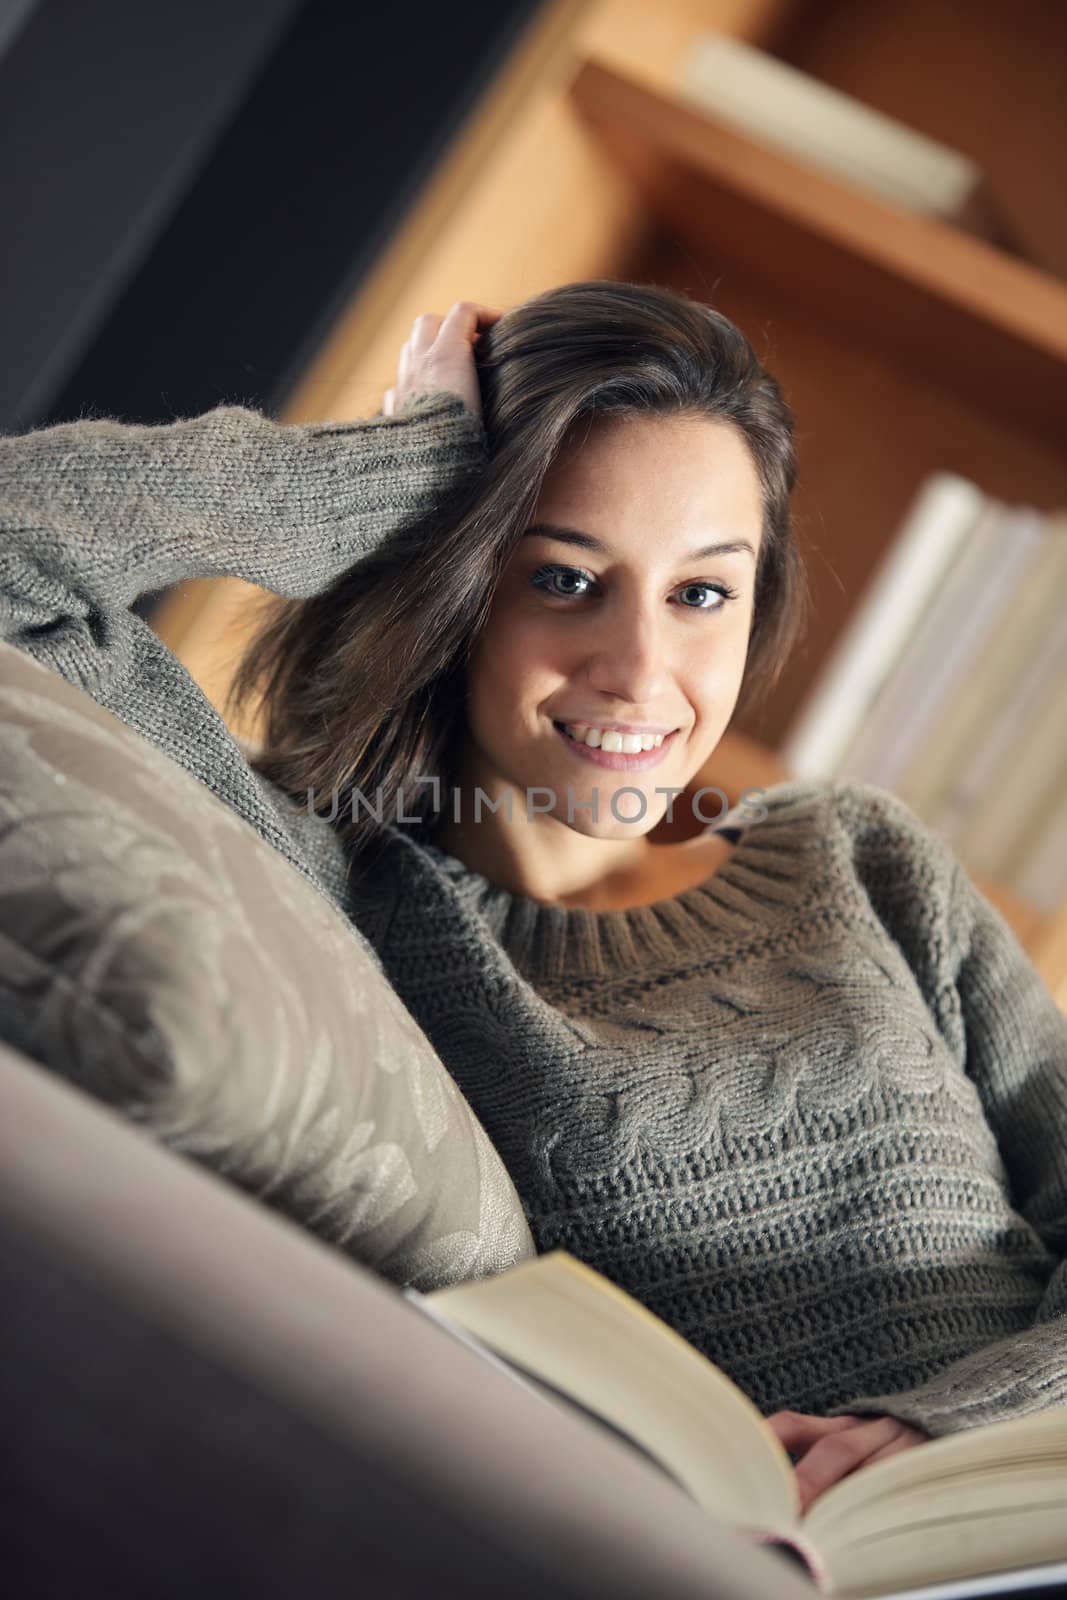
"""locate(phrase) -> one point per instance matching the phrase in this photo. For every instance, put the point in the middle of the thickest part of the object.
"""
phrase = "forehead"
(658, 473)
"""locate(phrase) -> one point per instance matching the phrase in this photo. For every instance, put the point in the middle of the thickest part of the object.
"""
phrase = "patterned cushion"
(156, 952)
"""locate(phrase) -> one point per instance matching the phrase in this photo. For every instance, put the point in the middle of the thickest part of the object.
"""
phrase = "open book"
(989, 1500)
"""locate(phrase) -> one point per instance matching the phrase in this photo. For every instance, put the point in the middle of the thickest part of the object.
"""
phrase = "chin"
(612, 832)
(608, 827)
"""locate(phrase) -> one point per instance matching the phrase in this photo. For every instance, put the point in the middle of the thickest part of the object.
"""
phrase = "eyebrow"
(586, 541)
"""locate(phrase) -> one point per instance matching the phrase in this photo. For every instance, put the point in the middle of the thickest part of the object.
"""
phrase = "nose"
(626, 655)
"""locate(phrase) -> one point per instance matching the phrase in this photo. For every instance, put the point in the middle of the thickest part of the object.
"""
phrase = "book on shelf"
(1010, 740)
(942, 514)
(809, 120)
(947, 685)
(954, 629)
(985, 1505)
(1000, 826)
(1009, 671)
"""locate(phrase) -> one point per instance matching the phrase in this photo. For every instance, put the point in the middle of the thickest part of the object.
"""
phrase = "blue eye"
(722, 589)
(544, 576)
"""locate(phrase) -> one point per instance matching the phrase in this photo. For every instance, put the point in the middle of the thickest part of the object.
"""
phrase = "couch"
(226, 1150)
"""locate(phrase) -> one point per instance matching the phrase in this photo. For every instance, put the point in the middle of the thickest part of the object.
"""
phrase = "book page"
(1050, 1579)
(986, 1500)
(559, 1319)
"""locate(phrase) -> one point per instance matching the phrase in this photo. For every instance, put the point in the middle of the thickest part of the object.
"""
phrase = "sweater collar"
(779, 842)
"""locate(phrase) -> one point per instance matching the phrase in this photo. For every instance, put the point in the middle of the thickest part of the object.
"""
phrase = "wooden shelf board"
(953, 308)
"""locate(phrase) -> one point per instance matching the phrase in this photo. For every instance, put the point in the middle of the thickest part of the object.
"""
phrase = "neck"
(541, 857)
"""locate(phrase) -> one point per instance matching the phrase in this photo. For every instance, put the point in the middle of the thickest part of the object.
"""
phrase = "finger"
(892, 1449)
(424, 332)
(796, 1430)
(838, 1454)
(485, 324)
(388, 400)
(908, 1439)
(466, 318)
(475, 310)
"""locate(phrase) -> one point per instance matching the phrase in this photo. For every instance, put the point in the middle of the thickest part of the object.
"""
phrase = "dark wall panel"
(109, 110)
(345, 120)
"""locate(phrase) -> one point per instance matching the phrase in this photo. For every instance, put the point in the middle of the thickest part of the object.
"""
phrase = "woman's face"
(623, 621)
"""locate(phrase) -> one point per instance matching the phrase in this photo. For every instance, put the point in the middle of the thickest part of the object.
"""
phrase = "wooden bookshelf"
(904, 345)
(951, 308)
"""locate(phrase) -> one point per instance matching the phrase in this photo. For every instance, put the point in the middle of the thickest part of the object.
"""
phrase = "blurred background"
(193, 191)
(251, 201)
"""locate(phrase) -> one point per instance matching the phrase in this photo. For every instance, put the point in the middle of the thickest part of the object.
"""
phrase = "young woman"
(792, 1082)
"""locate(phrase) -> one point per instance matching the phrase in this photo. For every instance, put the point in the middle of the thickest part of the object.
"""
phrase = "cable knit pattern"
(813, 1112)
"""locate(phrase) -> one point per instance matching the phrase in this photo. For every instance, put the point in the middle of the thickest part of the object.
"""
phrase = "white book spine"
(1001, 826)
(810, 120)
(942, 514)
(1031, 614)
(953, 630)
(992, 757)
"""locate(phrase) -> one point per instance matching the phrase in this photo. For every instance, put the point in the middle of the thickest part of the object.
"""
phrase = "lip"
(618, 761)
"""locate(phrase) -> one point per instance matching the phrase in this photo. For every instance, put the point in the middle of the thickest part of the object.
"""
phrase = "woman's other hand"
(829, 1448)
(440, 355)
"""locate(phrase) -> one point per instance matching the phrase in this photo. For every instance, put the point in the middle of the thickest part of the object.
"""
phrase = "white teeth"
(613, 741)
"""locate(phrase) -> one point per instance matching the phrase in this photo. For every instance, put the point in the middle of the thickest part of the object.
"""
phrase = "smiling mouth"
(617, 760)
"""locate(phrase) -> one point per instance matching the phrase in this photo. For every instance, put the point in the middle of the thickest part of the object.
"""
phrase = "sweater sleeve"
(1010, 1038)
(95, 513)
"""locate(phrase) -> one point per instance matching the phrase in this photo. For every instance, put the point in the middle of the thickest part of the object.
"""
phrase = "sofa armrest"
(183, 1362)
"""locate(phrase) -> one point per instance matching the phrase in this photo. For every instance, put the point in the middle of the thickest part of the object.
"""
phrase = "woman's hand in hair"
(827, 1449)
(439, 354)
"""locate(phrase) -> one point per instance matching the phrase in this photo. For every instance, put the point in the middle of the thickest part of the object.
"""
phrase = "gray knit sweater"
(812, 1112)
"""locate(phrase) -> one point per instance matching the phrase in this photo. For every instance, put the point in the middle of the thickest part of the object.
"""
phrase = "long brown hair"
(363, 686)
